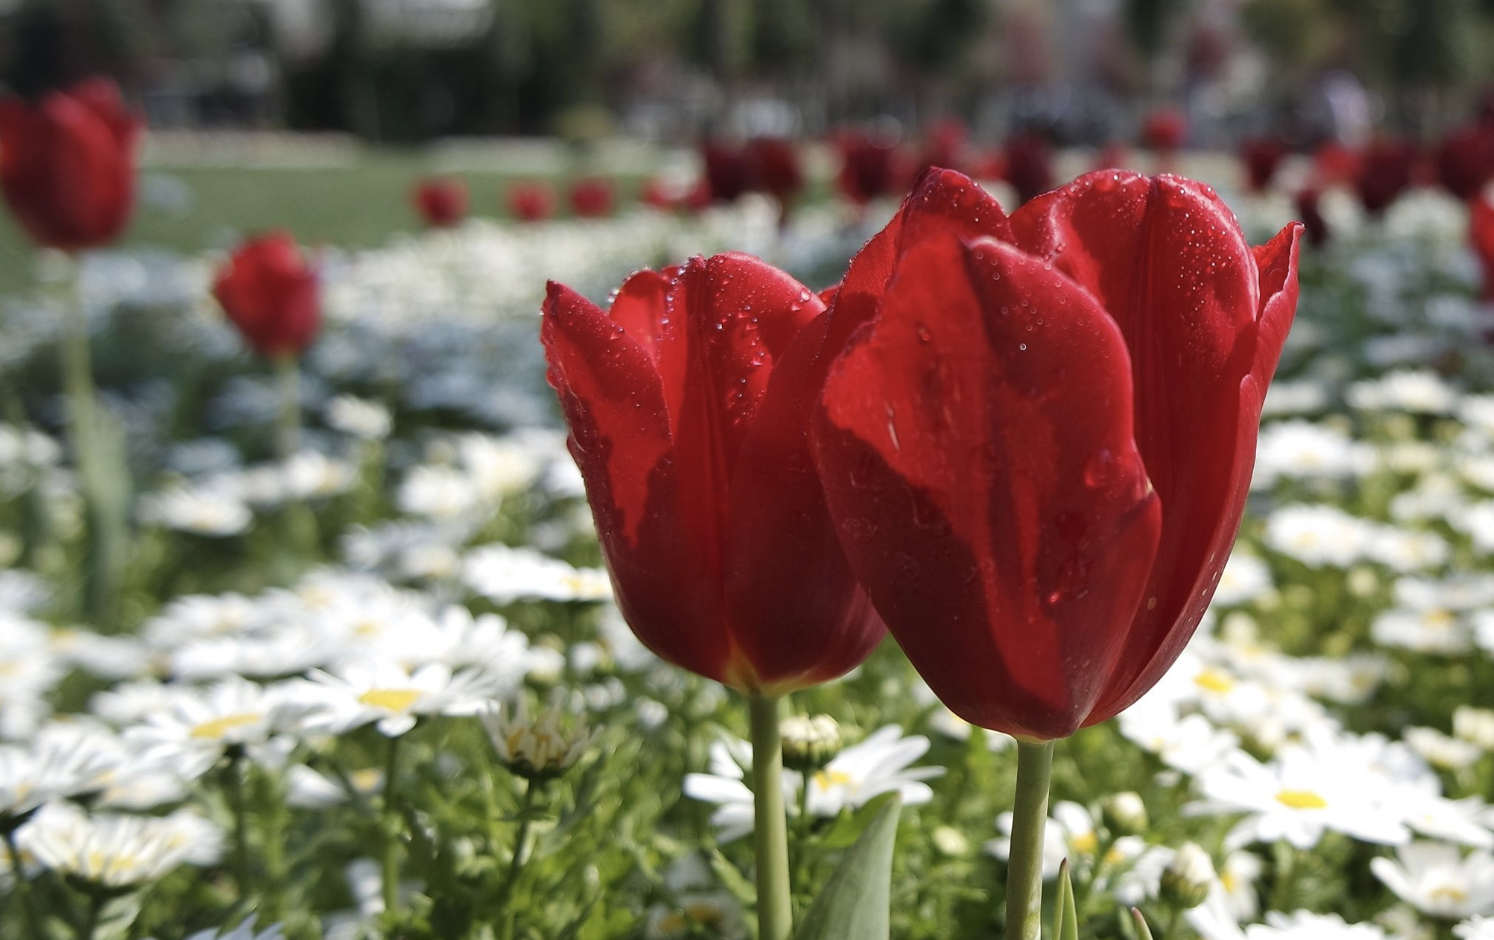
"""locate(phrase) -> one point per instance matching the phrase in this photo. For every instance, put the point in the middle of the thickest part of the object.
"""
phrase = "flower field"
(368, 679)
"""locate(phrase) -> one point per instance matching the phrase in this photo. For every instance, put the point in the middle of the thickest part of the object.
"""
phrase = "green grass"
(356, 205)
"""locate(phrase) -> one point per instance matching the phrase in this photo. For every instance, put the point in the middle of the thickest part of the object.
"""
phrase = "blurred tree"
(1149, 26)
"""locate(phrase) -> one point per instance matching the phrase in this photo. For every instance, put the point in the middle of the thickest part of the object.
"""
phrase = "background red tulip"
(684, 402)
(1481, 235)
(1383, 172)
(1038, 453)
(1313, 223)
(441, 202)
(592, 198)
(1261, 157)
(270, 293)
(1029, 165)
(67, 165)
(727, 172)
(531, 201)
(776, 170)
(869, 167)
(1465, 161)
(1164, 129)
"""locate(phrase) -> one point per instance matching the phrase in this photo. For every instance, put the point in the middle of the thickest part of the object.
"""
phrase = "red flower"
(869, 167)
(1465, 161)
(270, 293)
(592, 198)
(531, 201)
(67, 166)
(1037, 451)
(775, 169)
(1163, 129)
(1481, 234)
(1313, 222)
(1029, 165)
(1261, 156)
(1383, 173)
(441, 201)
(727, 172)
(686, 405)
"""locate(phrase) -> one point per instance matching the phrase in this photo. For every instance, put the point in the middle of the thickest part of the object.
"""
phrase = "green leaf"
(854, 902)
(1070, 910)
(1142, 930)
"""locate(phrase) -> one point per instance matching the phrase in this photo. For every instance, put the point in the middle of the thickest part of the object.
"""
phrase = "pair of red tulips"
(1023, 443)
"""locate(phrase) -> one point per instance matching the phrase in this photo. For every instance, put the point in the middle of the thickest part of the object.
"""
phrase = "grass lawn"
(349, 198)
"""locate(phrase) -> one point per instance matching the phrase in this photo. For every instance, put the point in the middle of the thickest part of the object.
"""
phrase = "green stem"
(1024, 873)
(393, 827)
(22, 886)
(95, 909)
(1170, 932)
(775, 918)
(104, 494)
(274, 843)
(235, 783)
(288, 428)
(516, 863)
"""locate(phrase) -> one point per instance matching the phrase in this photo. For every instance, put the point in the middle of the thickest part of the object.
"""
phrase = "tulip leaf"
(1065, 914)
(1142, 930)
(854, 904)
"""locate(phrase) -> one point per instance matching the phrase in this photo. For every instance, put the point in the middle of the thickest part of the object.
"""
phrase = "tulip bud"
(1188, 877)
(1124, 813)
(809, 743)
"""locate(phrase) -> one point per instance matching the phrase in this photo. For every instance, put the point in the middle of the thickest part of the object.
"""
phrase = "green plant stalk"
(775, 917)
(91, 921)
(516, 863)
(1024, 873)
(22, 888)
(103, 486)
(288, 426)
(392, 827)
(275, 815)
(234, 782)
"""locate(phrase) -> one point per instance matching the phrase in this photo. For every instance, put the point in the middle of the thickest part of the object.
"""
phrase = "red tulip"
(686, 403)
(869, 167)
(1037, 450)
(658, 193)
(776, 170)
(1481, 234)
(1333, 163)
(592, 198)
(1163, 129)
(531, 201)
(1114, 155)
(1384, 172)
(727, 172)
(441, 201)
(270, 293)
(1029, 165)
(67, 166)
(1465, 161)
(1313, 222)
(1261, 156)
(947, 146)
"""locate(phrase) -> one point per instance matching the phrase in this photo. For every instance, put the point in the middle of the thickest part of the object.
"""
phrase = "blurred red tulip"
(727, 172)
(685, 406)
(270, 293)
(947, 146)
(1115, 155)
(67, 165)
(1261, 157)
(1164, 129)
(1312, 217)
(870, 167)
(441, 201)
(531, 201)
(1384, 171)
(775, 169)
(1481, 234)
(592, 197)
(1029, 165)
(1335, 164)
(1037, 453)
(1465, 161)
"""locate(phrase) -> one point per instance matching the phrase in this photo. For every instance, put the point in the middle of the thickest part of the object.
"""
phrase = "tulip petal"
(620, 439)
(1167, 260)
(975, 446)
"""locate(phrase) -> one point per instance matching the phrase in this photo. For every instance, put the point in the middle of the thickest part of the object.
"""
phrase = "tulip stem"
(393, 829)
(102, 476)
(288, 430)
(1024, 873)
(775, 918)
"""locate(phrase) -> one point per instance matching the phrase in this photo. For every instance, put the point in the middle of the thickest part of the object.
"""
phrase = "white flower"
(542, 746)
(1434, 630)
(244, 931)
(1475, 928)
(1414, 392)
(111, 657)
(1297, 797)
(1307, 926)
(1191, 743)
(1306, 450)
(1246, 578)
(201, 726)
(504, 575)
(1318, 535)
(199, 510)
(359, 417)
(855, 776)
(1441, 750)
(388, 693)
(311, 474)
(439, 492)
(117, 851)
(1475, 725)
(1438, 880)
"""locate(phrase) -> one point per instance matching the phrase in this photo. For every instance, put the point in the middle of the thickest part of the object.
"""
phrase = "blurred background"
(1080, 71)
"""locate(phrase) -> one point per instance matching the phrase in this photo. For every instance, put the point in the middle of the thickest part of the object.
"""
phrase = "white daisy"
(503, 575)
(1438, 880)
(387, 693)
(201, 726)
(117, 851)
